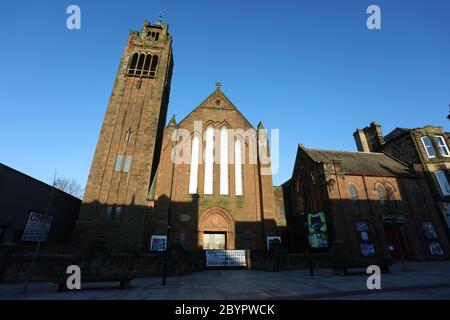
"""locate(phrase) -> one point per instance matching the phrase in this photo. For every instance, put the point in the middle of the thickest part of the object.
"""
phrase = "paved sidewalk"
(421, 280)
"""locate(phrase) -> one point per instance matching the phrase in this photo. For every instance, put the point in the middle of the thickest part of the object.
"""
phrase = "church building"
(204, 182)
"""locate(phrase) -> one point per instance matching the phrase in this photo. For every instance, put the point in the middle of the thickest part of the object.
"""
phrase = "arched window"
(148, 59)
(133, 63)
(209, 161)
(353, 196)
(140, 64)
(390, 193)
(224, 161)
(143, 65)
(381, 195)
(154, 65)
(238, 156)
(353, 193)
(390, 196)
(193, 177)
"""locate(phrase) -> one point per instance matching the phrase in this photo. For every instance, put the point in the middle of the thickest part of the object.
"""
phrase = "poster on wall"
(366, 246)
(367, 249)
(317, 228)
(158, 243)
(428, 230)
(37, 227)
(434, 246)
(271, 240)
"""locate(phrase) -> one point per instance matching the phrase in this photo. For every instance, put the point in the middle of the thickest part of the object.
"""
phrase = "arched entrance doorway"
(216, 230)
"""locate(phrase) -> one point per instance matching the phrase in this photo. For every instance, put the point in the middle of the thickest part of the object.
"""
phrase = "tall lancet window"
(193, 177)
(224, 161)
(209, 161)
(238, 156)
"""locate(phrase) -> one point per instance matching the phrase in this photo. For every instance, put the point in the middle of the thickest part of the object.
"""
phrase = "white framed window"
(127, 163)
(238, 152)
(428, 147)
(193, 175)
(118, 165)
(440, 141)
(443, 182)
(224, 161)
(209, 161)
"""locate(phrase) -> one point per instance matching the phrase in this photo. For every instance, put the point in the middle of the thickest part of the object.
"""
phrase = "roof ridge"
(346, 151)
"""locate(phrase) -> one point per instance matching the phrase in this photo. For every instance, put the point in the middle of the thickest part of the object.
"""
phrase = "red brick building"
(426, 147)
(219, 193)
(376, 208)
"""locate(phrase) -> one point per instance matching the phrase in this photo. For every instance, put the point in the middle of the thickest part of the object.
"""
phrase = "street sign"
(37, 227)
(394, 219)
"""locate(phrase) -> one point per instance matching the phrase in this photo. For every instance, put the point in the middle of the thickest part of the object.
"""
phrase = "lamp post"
(310, 262)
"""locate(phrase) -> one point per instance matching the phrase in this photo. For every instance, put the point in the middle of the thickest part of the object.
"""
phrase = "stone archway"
(215, 222)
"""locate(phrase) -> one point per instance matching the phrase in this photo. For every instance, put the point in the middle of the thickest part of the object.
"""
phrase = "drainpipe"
(343, 214)
(377, 236)
(261, 203)
(169, 219)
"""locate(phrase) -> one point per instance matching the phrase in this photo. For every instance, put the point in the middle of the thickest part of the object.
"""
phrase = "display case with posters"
(434, 246)
(366, 246)
(158, 243)
(271, 240)
(317, 228)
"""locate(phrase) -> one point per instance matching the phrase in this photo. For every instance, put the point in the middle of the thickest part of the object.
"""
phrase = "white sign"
(37, 227)
(225, 258)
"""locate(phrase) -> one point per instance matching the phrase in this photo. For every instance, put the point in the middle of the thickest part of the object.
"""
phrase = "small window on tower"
(118, 165)
(128, 136)
(127, 164)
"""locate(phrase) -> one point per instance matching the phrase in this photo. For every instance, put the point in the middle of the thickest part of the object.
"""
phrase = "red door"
(393, 239)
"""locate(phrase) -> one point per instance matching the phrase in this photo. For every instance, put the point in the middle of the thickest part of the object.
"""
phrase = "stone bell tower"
(129, 145)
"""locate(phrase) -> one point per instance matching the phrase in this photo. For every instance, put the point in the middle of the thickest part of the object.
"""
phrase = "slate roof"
(371, 163)
(397, 132)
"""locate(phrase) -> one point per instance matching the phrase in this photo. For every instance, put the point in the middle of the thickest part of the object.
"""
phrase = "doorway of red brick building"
(394, 239)
(214, 240)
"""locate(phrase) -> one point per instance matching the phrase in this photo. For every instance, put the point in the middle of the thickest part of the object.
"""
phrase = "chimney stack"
(369, 139)
(361, 141)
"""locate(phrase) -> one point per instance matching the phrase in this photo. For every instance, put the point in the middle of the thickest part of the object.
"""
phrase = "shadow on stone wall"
(95, 257)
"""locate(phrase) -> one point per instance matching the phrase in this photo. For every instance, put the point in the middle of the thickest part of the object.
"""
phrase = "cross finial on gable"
(160, 17)
(218, 85)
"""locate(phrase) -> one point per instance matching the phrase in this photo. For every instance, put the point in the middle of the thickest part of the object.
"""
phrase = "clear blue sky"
(310, 68)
